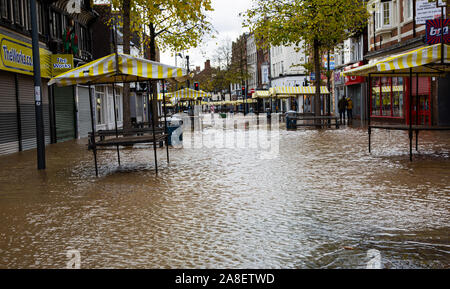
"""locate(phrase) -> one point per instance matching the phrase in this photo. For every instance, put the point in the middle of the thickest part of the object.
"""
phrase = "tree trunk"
(126, 50)
(152, 44)
(317, 101)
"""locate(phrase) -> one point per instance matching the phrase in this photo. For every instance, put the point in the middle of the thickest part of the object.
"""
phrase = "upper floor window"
(408, 9)
(384, 15)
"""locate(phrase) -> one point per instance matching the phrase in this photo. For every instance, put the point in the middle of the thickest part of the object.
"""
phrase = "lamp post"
(40, 137)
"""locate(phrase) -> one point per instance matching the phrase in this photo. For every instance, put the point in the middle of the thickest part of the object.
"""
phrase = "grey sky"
(226, 21)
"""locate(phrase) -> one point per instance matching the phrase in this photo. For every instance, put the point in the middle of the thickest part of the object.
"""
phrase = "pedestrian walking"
(342, 105)
(349, 109)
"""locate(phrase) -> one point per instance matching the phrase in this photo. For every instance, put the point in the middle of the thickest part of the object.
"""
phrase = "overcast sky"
(226, 21)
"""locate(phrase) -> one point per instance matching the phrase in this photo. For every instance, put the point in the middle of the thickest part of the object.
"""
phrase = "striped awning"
(129, 69)
(189, 94)
(426, 60)
(418, 60)
(261, 94)
(288, 91)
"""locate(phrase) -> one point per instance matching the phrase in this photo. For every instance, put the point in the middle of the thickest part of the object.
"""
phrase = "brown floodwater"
(322, 202)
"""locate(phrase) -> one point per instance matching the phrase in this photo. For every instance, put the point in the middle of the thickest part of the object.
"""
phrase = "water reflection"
(323, 202)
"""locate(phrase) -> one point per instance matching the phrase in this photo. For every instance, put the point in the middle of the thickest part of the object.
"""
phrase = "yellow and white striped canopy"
(417, 60)
(168, 96)
(423, 60)
(261, 94)
(129, 69)
(288, 91)
(189, 94)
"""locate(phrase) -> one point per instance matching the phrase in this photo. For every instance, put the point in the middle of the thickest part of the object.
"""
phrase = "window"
(386, 13)
(388, 97)
(6, 9)
(408, 9)
(100, 104)
(282, 67)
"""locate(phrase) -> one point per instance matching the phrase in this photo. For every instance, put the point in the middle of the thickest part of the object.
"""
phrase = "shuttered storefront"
(27, 111)
(84, 112)
(9, 132)
(64, 113)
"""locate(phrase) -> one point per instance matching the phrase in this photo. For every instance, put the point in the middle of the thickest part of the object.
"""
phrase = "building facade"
(396, 27)
(17, 105)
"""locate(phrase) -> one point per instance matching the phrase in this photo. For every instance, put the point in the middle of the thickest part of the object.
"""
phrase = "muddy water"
(321, 196)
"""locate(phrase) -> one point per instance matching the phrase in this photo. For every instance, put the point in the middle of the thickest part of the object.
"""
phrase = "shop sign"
(426, 10)
(351, 80)
(433, 28)
(17, 56)
(61, 63)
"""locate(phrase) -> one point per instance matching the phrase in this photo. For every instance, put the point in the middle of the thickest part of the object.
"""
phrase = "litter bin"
(173, 123)
(291, 120)
(269, 113)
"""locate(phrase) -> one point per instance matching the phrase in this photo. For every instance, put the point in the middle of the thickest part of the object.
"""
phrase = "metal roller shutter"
(9, 133)
(64, 113)
(27, 112)
(84, 112)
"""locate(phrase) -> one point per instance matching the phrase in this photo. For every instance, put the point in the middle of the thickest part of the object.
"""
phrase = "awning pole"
(410, 114)
(417, 108)
(115, 121)
(165, 120)
(369, 93)
(153, 124)
(94, 147)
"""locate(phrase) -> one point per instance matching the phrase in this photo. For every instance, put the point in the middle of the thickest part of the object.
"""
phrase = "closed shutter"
(46, 110)
(84, 112)
(64, 113)
(28, 113)
(9, 133)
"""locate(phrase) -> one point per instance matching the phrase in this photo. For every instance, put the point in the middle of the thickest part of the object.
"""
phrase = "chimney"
(207, 64)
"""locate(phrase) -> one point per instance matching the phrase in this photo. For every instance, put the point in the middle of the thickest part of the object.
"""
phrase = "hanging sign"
(433, 31)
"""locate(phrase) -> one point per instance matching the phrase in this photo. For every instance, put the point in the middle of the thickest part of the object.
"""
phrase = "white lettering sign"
(427, 11)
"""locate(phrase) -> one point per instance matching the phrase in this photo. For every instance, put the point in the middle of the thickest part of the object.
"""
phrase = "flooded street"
(322, 202)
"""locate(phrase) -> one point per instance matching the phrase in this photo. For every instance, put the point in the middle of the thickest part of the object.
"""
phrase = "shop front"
(17, 103)
(390, 99)
(355, 90)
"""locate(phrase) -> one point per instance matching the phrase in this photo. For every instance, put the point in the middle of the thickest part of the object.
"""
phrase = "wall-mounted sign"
(426, 10)
(325, 62)
(17, 56)
(433, 31)
(351, 80)
(61, 63)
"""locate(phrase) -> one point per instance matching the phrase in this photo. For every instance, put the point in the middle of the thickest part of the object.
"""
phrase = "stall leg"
(417, 140)
(370, 139)
(410, 145)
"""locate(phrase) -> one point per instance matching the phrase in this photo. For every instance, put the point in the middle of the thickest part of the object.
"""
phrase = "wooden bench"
(324, 121)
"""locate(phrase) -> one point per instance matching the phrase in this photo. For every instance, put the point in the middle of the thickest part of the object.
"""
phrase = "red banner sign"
(351, 80)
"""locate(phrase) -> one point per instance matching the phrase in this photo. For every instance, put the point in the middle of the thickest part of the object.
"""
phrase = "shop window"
(398, 96)
(100, 104)
(387, 97)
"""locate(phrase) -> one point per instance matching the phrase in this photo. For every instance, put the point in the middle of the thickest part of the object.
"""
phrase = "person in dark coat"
(342, 105)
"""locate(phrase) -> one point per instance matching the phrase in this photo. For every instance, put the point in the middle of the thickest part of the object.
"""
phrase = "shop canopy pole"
(115, 121)
(410, 114)
(165, 120)
(153, 126)
(369, 93)
(94, 147)
(417, 110)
